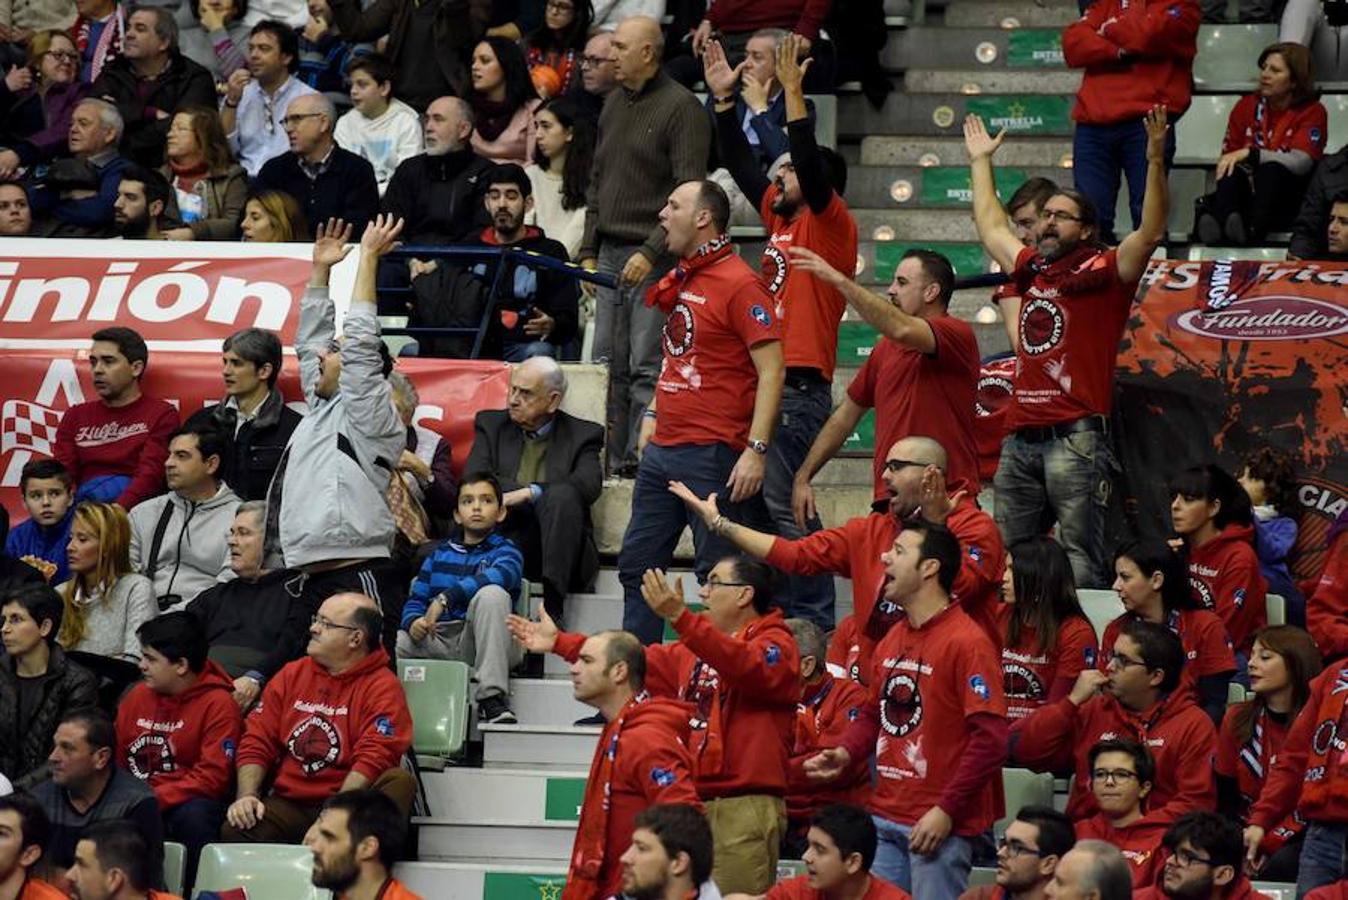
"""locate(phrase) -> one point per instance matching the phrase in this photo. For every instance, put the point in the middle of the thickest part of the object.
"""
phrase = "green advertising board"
(967, 259)
(862, 438)
(950, 185)
(1023, 113)
(518, 886)
(1034, 48)
(672, 636)
(855, 340)
(563, 799)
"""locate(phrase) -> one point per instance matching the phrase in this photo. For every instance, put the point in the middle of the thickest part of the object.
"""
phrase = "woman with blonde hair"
(37, 101)
(105, 602)
(273, 216)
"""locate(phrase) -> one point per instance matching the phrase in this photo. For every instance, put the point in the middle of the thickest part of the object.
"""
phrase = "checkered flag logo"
(27, 426)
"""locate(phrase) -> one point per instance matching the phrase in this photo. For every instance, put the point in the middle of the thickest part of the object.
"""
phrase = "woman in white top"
(105, 602)
(560, 173)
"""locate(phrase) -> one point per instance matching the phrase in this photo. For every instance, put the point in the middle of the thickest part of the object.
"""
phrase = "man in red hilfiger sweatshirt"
(915, 481)
(1327, 609)
(336, 720)
(1137, 700)
(936, 721)
(115, 446)
(641, 759)
(178, 731)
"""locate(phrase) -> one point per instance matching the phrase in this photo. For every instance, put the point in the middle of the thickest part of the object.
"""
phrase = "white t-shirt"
(385, 141)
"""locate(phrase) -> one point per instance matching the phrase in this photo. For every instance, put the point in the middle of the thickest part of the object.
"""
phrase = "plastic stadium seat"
(1276, 607)
(437, 694)
(982, 875)
(1278, 890)
(174, 854)
(263, 870)
(790, 868)
(1023, 788)
(1228, 56)
(1101, 607)
(1235, 693)
(1337, 107)
(1198, 135)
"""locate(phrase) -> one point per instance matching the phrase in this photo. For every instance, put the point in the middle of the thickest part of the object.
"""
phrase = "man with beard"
(936, 722)
(1057, 461)
(143, 199)
(1206, 862)
(355, 842)
(1027, 855)
(670, 856)
(915, 492)
(437, 193)
(801, 206)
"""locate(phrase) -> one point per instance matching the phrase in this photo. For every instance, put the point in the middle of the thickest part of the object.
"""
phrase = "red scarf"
(665, 292)
(109, 41)
(587, 854)
(1080, 271)
(186, 177)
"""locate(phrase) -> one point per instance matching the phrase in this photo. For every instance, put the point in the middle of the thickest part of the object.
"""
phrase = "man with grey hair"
(548, 464)
(79, 195)
(151, 81)
(1091, 870)
(328, 181)
(438, 193)
(598, 74)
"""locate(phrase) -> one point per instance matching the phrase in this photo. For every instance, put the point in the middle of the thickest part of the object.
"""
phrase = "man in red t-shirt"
(715, 401)
(921, 377)
(115, 446)
(936, 722)
(841, 847)
(1075, 294)
(801, 206)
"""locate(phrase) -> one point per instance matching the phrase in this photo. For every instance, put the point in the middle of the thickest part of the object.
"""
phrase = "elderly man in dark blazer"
(548, 464)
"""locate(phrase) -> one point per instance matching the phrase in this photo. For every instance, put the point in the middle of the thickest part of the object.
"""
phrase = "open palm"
(977, 140)
(332, 243)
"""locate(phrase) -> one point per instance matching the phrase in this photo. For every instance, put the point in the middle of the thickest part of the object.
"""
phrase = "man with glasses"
(1027, 855)
(1122, 773)
(328, 181)
(598, 74)
(1206, 862)
(915, 491)
(336, 720)
(1057, 462)
(1138, 700)
(256, 98)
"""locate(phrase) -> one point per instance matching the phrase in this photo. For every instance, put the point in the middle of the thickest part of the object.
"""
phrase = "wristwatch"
(759, 447)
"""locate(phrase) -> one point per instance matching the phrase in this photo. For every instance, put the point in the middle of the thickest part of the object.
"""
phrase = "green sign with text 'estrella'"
(518, 886)
(564, 796)
(1034, 48)
(855, 340)
(1024, 113)
(950, 185)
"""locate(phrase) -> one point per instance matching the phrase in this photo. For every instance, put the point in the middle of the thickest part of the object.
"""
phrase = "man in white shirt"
(256, 98)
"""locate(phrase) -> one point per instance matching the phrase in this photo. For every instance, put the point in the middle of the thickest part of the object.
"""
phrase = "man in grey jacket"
(178, 539)
(326, 509)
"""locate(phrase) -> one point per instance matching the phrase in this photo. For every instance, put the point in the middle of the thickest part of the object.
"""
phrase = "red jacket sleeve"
(767, 665)
(1197, 789)
(848, 710)
(675, 763)
(1082, 45)
(1327, 609)
(568, 645)
(982, 760)
(261, 742)
(1045, 740)
(812, 17)
(1166, 29)
(149, 478)
(1282, 783)
(1237, 123)
(982, 560)
(384, 730)
(828, 550)
(214, 771)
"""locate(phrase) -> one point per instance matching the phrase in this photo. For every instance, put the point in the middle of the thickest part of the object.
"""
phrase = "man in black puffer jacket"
(1310, 233)
(38, 685)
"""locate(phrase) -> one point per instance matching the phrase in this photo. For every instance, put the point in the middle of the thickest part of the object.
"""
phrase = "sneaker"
(495, 710)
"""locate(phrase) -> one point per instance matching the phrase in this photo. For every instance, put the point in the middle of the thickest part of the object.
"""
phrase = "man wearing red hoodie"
(642, 757)
(336, 720)
(1139, 701)
(1327, 609)
(1121, 776)
(1136, 53)
(936, 721)
(914, 479)
(115, 446)
(178, 730)
(1205, 862)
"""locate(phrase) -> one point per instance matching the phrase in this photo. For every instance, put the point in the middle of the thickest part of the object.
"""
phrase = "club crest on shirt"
(1238, 598)
(384, 725)
(663, 777)
(979, 686)
(761, 315)
(678, 330)
(772, 655)
(901, 709)
(1041, 326)
(315, 744)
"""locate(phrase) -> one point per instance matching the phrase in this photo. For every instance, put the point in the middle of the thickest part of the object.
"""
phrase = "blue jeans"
(806, 406)
(941, 877)
(518, 352)
(1323, 859)
(1070, 479)
(658, 518)
(1100, 153)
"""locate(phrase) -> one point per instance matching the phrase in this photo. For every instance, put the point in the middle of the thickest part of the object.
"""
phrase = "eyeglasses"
(63, 55)
(324, 624)
(294, 119)
(1117, 776)
(715, 582)
(1057, 215)
(1118, 660)
(1187, 858)
(898, 465)
(589, 62)
(1016, 848)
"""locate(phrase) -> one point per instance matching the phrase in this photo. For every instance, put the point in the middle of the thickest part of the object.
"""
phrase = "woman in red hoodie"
(1284, 661)
(1211, 513)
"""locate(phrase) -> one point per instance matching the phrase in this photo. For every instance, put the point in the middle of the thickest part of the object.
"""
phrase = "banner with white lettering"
(1220, 358)
(55, 294)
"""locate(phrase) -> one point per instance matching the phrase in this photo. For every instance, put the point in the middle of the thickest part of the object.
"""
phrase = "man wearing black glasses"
(1206, 862)
(1027, 855)
(1136, 700)
(336, 720)
(1122, 773)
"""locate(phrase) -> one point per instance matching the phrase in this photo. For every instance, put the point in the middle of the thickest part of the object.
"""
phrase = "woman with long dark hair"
(1046, 639)
(1284, 661)
(503, 100)
(560, 173)
(1151, 580)
(559, 43)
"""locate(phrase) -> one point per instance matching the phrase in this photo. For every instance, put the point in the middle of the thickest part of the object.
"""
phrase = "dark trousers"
(194, 824)
(1268, 200)
(286, 821)
(555, 536)
(378, 579)
(1103, 153)
(658, 519)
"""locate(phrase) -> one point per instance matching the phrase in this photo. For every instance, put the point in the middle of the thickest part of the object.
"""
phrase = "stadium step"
(447, 839)
(524, 794)
(486, 880)
(926, 47)
(883, 149)
(1010, 14)
(548, 701)
(523, 745)
(991, 81)
(931, 225)
(942, 115)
